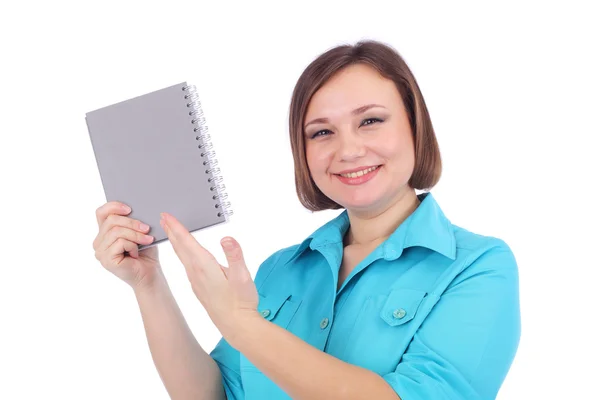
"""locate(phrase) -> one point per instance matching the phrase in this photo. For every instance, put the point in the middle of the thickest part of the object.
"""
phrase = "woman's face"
(359, 145)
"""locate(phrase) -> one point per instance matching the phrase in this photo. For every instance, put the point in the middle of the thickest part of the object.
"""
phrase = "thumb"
(235, 259)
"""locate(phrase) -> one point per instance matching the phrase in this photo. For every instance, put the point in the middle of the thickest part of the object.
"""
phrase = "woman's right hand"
(118, 234)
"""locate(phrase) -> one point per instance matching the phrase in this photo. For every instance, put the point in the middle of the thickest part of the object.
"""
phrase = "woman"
(388, 300)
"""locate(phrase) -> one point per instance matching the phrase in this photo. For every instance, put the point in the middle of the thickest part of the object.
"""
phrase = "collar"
(426, 227)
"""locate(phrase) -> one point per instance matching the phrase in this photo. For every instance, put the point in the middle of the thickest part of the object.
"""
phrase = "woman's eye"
(370, 121)
(325, 132)
(320, 133)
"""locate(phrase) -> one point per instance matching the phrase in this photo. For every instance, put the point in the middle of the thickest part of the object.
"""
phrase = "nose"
(351, 146)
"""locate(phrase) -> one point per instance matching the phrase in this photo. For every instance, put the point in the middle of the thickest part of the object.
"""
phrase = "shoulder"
(270, 263)
(471, 244)
(328, 232)
(479, 254)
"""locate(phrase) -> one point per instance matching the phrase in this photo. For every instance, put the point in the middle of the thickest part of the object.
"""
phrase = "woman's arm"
(305, 372)
(186, 370)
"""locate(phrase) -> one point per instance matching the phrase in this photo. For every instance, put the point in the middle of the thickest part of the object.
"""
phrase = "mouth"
(358, 177)
(359, 173)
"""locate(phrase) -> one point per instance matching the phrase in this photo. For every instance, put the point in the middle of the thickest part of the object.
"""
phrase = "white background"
(512, 91)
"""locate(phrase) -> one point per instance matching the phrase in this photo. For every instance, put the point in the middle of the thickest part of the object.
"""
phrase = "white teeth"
(359, 173)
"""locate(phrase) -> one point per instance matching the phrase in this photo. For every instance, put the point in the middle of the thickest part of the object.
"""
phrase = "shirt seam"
(221, 365)
(274, 264)
(328, 243)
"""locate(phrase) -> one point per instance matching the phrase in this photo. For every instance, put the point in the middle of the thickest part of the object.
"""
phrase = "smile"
(358, 177)
(356, 174)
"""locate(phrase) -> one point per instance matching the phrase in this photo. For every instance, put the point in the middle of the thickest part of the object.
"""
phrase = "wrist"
(245, 332)
(146, 287)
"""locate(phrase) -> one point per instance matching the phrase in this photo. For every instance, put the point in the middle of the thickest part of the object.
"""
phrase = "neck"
(374, 227)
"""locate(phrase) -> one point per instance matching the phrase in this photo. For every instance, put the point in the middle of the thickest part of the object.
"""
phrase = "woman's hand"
(228, 294)
(117, 234)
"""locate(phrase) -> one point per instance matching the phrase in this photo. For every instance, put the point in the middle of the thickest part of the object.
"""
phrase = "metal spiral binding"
(207, 152)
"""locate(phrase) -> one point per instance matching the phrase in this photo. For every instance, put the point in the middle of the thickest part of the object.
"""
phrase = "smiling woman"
(387, 300)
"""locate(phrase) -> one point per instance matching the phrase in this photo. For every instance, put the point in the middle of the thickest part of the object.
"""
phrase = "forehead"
(352, 87)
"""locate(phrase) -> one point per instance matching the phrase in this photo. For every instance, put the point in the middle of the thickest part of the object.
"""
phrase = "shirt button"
(399, 313)
(324, 323)
(266, 313)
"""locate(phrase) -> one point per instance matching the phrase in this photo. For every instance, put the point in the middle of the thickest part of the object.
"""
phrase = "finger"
(185, 245)
(112, 207)
(119, 232)
(120, 246)
(118, 220)
(193, 256)
(235, 258)
(131, 248)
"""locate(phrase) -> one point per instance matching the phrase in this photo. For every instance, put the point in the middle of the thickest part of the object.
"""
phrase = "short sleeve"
(466, 345)
(228, 358)
(228, 361)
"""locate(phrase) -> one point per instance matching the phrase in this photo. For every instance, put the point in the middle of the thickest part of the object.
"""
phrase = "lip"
(349, 171)
(359, 180)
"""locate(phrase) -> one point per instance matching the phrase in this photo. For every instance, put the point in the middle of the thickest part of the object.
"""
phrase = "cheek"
(310, 158)
(407, 158)
(317, 158)
(313, 162)
(400, 151)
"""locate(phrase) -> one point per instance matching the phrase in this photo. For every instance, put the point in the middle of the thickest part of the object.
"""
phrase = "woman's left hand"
(228, 294)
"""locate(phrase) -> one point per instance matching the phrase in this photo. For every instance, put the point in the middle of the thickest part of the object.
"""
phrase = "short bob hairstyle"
(387, 61)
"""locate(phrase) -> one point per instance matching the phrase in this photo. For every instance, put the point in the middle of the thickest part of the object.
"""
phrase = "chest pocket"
(383, 329)
(277, 308)
(401, 305)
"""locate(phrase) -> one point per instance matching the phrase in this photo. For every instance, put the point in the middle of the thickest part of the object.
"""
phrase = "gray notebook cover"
(154, 154)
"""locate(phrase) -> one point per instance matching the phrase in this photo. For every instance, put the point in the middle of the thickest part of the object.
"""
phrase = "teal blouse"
(434, 309)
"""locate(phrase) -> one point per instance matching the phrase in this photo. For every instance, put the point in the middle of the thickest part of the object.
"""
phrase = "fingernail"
(227, 244)
(144, 227)
(126, 208)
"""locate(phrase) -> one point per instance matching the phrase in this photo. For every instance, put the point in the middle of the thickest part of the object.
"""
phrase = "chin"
(360, 203)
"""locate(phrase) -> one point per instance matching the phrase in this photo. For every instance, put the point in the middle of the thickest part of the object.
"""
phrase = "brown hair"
(387, 61)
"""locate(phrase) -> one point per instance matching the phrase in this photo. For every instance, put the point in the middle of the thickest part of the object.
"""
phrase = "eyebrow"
(357, 111)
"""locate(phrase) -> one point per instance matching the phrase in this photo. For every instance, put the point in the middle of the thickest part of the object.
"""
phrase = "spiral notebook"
(155, 154)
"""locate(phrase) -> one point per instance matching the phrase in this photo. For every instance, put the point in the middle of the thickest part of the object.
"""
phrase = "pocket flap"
(269, 305)
(401, 306)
